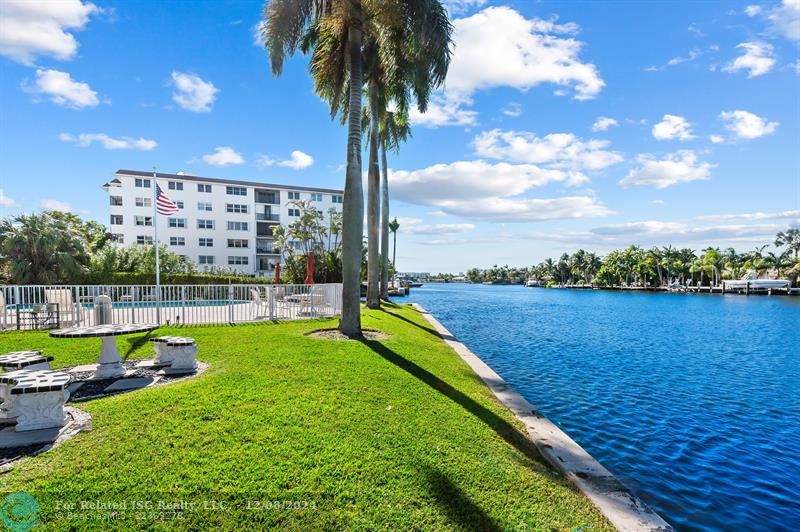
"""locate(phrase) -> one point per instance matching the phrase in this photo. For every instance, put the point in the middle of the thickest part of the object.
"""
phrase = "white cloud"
(483, 191)
(757, 58)
(679, 167)
(673, 127)
(783, 19)
(223, 156)
(298, 161)
(463, 180)
(55, 205)
(752, 10)
(693, 54)
(29, 28)
(5, 201)
(258, 35)
(716, 139)
(414, 226)
(654, 232)
(513, 109)
(746, 125)
(109, 143)
(192, 92)
(445, 110)
(603, 123)
(557, 149)
(527, 209)
(752, 216)
(500, 47)
(62, 89)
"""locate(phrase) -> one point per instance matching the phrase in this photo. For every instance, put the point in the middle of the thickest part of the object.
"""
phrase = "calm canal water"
(693, 401)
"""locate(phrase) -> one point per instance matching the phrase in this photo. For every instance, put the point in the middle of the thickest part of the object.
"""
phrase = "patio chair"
(69, 312)
(314, 301)
(6, 315)
(262, 307)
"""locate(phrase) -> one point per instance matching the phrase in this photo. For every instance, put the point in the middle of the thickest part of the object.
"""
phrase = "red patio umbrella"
(310, 268)
(277, 273)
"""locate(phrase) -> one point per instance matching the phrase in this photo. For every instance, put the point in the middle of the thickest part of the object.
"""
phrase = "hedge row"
(131, 278)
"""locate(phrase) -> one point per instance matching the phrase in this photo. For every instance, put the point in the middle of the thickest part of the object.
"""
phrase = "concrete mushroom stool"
(30, 360)
(34, 397)
(176, 351)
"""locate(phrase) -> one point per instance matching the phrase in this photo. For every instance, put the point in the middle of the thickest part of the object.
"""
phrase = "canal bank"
(623, 508)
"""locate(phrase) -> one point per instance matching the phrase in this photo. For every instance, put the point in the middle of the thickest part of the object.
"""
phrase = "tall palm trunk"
(384, 223)
(353, 206)
(373, 206)
(394, 252)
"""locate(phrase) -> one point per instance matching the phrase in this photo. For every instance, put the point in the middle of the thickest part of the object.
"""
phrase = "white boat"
(752, 282)
(532, 283)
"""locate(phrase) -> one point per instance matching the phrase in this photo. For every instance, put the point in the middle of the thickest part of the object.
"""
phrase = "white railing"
(175, 304)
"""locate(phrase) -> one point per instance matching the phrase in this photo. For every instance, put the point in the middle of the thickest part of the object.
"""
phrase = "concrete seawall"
(622, 508)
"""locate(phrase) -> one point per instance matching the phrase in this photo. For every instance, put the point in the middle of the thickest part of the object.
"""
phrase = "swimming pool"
(692, 401)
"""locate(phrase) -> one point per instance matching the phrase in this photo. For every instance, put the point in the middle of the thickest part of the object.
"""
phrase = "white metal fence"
(29, 306)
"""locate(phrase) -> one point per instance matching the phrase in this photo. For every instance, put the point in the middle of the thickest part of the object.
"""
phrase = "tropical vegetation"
(398, 49)
(655, 267)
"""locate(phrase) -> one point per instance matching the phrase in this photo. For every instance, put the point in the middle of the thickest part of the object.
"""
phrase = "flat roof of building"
(189, 177)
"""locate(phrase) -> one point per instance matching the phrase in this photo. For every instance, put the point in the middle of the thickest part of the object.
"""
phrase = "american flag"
(164, 205)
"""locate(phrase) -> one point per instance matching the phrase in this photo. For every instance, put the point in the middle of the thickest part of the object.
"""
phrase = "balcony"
(268, 196)
(267, 217)
(266, 247)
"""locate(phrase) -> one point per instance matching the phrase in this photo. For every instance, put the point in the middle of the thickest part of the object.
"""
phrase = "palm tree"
(778, 262)
(395, 129)
(41, 249)
(409, 54)
(331, 31)
(789, 238)
(393, 227)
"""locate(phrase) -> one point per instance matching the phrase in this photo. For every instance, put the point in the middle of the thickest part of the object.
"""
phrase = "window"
(294, 212)
(205, 224)
(203, 206)
(116, 219)
(175, 185)
(237, 226)
(142, 183)
(143, 220)
(294, 195)
(337, 198)
(144, 239)
(177, 222)
(118, 238)
(238, 261)
(177, 241)
(206, 242)
(236, 207)
(115, 201)
(205, 259)
(238, 243)
(316, 197)
(144, 202)
(236, 191)
(179, 204)
(204, 188)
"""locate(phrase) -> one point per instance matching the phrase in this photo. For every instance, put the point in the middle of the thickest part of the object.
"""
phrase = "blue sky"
(562, 124)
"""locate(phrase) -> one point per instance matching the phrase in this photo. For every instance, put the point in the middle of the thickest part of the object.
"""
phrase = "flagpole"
(155, 240)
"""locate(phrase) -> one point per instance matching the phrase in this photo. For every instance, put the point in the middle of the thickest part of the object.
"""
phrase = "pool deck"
(624, 510)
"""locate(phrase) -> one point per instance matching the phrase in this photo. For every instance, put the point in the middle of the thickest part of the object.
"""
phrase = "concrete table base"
(76, 421)
(110, 364)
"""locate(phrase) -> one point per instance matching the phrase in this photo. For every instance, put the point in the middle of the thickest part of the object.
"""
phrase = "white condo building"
(222, 222)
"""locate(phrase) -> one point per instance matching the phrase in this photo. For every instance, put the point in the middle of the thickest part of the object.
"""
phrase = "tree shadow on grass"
(462, 511)
(503, 428)
(415, 324)
(135, 342)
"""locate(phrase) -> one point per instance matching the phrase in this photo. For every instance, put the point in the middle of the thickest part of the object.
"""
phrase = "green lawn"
(397, 434)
